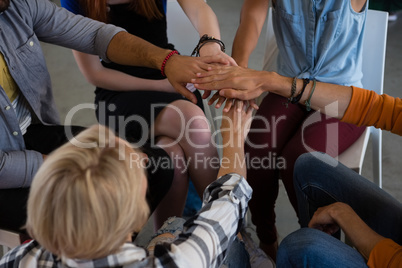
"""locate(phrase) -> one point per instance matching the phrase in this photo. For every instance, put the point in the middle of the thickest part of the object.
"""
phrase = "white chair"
(9, 240)
(374, 46)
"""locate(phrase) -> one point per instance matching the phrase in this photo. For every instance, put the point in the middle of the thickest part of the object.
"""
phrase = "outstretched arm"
(128, 49)
(234, 128)
(100, 76)
(353, 105)
(205, 22)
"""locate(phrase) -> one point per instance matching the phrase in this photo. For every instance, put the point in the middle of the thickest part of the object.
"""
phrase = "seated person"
(85, 203)
(29, 124)
(330, 194)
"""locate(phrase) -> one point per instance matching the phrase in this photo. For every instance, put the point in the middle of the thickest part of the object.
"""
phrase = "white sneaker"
(258, 258)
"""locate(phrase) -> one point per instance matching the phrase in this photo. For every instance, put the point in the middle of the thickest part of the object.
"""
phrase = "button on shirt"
(22, 26)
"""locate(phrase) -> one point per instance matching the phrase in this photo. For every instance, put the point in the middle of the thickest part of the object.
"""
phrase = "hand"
(229, 102)
(180, 69)
(324, 218)
(214, 49)
(236, 122)
(232, 81)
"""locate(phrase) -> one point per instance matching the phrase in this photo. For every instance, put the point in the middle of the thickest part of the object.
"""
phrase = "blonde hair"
(84, 202)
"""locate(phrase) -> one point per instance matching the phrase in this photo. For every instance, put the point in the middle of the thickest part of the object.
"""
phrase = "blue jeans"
(312, 248)
(320, 180)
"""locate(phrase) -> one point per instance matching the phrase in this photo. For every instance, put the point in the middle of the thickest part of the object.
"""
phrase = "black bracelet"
(207, 39)
(292, 92)
(296, 99)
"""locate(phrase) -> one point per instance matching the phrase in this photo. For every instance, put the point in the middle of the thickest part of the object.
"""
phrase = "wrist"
(341, 212)
(167, 59)
(205, 40)
(210, 49)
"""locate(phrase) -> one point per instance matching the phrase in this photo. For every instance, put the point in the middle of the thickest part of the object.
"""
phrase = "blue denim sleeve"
(56, 25)
(17, 168)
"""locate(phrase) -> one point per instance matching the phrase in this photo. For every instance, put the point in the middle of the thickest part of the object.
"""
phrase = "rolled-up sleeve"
(207, 236)
(17, 168)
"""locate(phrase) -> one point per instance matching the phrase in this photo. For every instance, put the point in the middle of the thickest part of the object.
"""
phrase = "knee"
(198, 131)
(299, 246)
(309, 163)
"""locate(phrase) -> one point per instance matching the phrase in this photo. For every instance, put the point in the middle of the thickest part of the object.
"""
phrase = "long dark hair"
(97, 9)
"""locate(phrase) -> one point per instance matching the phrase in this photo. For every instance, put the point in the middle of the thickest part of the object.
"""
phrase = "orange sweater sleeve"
(386, 253)
(367, 108)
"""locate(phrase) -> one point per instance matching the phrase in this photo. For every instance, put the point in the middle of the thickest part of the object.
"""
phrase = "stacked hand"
(231, 82)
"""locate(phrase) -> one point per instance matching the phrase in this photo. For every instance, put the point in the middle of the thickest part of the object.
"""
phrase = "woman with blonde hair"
(89, 196)
(141, 105)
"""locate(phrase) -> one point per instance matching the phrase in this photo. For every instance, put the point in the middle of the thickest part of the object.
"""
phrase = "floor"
(72, 92)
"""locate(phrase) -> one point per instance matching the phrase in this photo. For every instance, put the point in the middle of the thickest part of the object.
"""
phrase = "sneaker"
(258, 258)
(392, 16)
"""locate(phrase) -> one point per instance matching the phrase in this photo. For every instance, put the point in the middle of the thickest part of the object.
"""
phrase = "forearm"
(233, 160)
(204, 21)
(321, 99)
(202, 17)
(17, 168)
(100, 76)
(252, 19)
(127, 49)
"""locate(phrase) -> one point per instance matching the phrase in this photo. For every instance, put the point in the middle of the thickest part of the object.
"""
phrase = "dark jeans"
(45, 139)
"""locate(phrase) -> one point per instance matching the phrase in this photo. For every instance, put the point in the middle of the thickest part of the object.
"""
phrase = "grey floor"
(71, 89)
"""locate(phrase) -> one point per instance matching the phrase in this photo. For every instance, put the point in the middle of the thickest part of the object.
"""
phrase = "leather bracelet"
(308, 101)
(166, 59)
(292, 91)
(296, 99)
(204, 40)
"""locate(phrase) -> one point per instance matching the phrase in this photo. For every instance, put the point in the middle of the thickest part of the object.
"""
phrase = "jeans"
(313, 248)
(320, 180)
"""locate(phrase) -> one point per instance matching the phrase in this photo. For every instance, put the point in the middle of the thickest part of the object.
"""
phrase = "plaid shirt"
(203, 243)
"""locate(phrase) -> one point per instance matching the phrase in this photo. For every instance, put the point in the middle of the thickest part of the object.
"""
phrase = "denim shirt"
(22, 26)
(320, 39)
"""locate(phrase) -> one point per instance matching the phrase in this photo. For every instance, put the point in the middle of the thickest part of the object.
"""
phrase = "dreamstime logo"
(189, 131)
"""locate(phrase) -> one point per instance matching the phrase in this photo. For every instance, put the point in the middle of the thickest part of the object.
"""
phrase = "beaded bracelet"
(308, 101)
(166, 59)
(204, 40)
(292, 92)
(296, 99)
